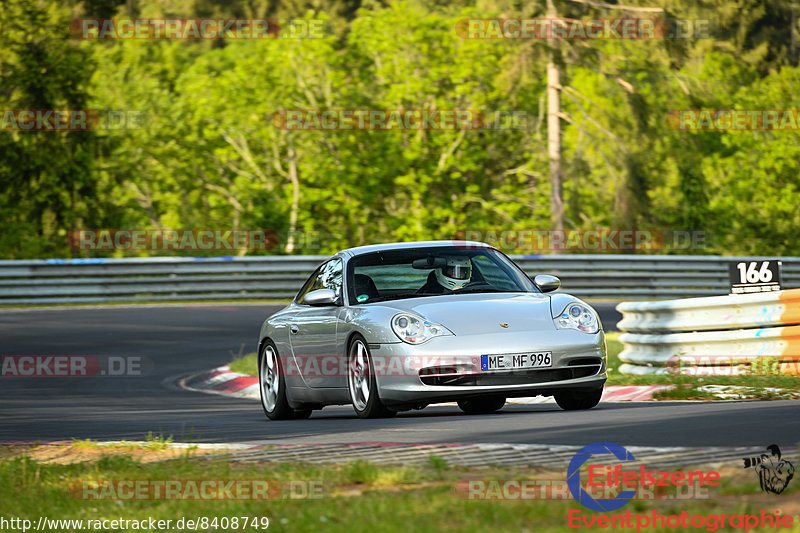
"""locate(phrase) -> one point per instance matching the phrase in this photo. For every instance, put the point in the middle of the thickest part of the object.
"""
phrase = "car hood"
(481, 313)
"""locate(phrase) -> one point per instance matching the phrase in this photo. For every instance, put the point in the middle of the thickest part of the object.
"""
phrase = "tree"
(46, 177)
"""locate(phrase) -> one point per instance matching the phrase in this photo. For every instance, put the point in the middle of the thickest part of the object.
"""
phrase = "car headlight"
(416, 330)
(578, 316)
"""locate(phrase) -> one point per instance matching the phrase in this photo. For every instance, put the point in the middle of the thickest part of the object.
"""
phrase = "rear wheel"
(482, 406)
(574, 401)
(273, 387)
(362, 383)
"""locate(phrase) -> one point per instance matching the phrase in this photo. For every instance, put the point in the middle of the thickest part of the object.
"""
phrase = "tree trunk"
(554, 129)
(295, 180)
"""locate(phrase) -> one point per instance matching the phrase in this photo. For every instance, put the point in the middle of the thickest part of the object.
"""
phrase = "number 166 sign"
(755, 276)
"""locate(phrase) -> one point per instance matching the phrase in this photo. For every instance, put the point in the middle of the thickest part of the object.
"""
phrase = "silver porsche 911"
(394, 327)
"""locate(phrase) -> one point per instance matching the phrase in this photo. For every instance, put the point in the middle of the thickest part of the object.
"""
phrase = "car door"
(313, 332)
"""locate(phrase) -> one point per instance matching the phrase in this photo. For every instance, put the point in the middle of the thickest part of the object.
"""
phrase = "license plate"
(516, 361)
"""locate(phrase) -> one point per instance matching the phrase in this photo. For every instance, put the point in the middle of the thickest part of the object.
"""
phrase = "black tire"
(574, 401)
(273, 391)
(301, 414)
(366, 403)
(482, 406)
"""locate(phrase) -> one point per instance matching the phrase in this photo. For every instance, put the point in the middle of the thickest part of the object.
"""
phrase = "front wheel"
(362, 383)
(272, 386)
(574, 401)
(481, 406)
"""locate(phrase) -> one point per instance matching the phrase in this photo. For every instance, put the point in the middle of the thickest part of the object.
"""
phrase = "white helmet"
(455, 274)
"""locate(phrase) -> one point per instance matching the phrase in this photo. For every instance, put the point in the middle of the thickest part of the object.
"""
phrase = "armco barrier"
(708, 335)
(614, 277)
(53, 281)
(714, 313)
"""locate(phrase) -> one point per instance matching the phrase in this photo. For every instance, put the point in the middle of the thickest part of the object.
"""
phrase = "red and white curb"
(224, 382)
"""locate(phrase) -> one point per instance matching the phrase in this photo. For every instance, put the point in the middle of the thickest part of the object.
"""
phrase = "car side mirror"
(547, 283)
(321, 297)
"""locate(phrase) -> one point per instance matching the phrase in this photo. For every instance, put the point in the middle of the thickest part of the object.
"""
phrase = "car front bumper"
(448, 368)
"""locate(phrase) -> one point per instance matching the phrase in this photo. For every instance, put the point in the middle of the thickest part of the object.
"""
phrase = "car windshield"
(410, 273)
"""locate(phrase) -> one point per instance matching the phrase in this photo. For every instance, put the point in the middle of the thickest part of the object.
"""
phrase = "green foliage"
(437, 463)
(47, 179)
(246, 365)
(766, 366)
(418, 499)
(209, 155)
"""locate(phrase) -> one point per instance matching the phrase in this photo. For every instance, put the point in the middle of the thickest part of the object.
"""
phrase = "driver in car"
(456, 273)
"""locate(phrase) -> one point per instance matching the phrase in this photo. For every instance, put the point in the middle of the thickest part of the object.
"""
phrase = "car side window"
(328, 276)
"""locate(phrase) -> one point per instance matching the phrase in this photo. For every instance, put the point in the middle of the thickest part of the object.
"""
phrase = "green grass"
(686, 386)
(151, 442)
(156, 442)
(355, 497)
(85, 443)
(247, 364)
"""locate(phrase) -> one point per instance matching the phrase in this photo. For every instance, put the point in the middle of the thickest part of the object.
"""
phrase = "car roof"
(358, 250)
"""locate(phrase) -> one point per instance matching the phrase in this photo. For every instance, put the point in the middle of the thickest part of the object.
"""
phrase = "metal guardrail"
(615, 277)
(713, 313)
(724, 335)
(620, 277)
(53, 281)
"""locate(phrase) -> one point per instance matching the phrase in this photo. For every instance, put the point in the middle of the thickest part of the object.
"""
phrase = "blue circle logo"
(574, 476)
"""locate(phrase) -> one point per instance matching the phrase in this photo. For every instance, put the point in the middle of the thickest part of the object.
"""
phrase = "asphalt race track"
(178, 340)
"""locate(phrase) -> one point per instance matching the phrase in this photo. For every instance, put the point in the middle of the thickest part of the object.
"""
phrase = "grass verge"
(353, 497)
(151, 442)
(247, 364)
